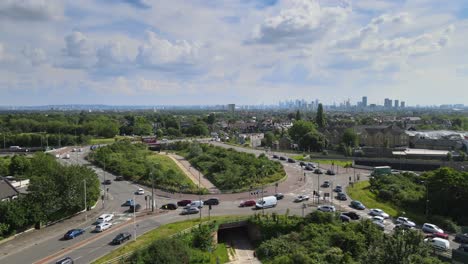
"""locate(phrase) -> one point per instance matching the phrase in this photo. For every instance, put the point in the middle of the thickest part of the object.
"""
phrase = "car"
(378, 218)
(461, 238)
(73, 233)
(140, 191)
(104, 218)
(463, 247)
(438, 243)
(120, 238)
(291, 160)
(102, 226)
(402, 226)
(309, 168)
(74, 150)
(341, 196)
(439, 235)
(338, 189)
(301, 163)
(282, 158)
(358, 205)
(279, 196)
(405, 221)
(169, 206)
(197, 204)
(318, 171)
(352, 215)
(325, 184)
(275, 156)
(431, 228)
(344, 218)
(190, 210)
(326, 208)
(184, 202)
(119, 178)
(129, 202)
(378, 212)
(66, 260)
(134, 208)
(301, 198)
(247, 203)
(380, 225)
(312, 165)
(330, 172)
(211, 201)
(107, 182)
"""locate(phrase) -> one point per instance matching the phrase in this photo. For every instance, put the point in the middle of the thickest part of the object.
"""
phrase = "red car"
(439, 235)
(184, 202)
(247, 203)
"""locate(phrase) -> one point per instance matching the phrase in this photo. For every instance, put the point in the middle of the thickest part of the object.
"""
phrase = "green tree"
(268, 139)
(350, 138)
(313, 141)
(298, 115)
(211, 119)
(301, 128)
(166, 250)
(320, 118)
(19, 165)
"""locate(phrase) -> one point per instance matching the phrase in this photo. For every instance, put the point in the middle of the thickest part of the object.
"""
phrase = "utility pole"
(85, 205)
(152, 191)
(318, 188)
(199, 193)
(263, 207)
(134, 218)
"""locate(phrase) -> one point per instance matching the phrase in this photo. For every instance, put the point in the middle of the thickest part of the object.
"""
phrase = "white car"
(105, 218)
(301, 198)
(377, 218)
(430, 228)
(405, 221)
(140, 191)
(378, 212)
(326, 208)
(102, 226)
(438, 243)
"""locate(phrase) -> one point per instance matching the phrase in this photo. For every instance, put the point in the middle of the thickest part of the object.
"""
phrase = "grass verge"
(360, 191)
(341, 163)
(162, 232)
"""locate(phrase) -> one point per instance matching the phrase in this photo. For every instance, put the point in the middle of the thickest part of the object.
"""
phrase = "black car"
(275, 156)
(135, 208)
(282, 158)
(338, 189)
(330, 172)
(461, 238)
(120, 238)
(309, 168)
(341, 196)
(352, 215)
(318, 171)
(344, 218)
(302, 163)
(279, 196)
(325, 184)
(107, 182)
(169, 206)
(119, 178)
(211, 201)
(291, 160)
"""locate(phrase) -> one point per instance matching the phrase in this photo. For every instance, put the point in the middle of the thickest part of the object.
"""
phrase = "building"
(7, 191)
(438, 140)
(255, 139)
(231, 108)
(364, 101)
(397, 103)
(402, 104)
(388, 103)
(382, 136)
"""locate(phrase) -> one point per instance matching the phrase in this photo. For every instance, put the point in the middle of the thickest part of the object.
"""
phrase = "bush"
(445, 223)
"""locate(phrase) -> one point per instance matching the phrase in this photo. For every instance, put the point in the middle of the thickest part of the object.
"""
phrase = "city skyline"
(252, 52)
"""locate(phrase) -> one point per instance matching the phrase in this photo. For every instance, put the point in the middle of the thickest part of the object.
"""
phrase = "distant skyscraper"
(402, 104)
(364, 101)
(397, 104)
(387, 103)
(231, 108)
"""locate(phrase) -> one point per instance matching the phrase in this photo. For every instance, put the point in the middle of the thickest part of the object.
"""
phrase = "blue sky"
(140, 52)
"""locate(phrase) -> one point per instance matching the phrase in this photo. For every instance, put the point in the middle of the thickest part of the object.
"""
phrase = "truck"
(381, 170)
(266, 202)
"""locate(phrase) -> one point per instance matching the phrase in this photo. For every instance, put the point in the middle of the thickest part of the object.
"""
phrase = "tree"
(300, 128)
(320, 119)
(313, 141)
(268, 139)
(350, 138)
(166, 250)
(19, 165)
(298, 115)
(211, 118)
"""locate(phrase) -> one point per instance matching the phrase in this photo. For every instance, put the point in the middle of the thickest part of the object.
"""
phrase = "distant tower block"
(231, 108)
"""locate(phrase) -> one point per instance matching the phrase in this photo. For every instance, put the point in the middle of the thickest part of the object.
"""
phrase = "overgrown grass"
(97, 141)
(360, 191)
(341, 163)
(167, 164)
(166, 231)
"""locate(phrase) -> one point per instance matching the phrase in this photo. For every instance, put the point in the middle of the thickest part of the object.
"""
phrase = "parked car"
(119, 178)
(344, 218)
(279, 196)
(405, 221)
(282, 158)
(438, 243)
(352, 215)
(120, 238)
(380, 225)
(309, 168)
(190, 210)
(66, 260)
(318, 171)
(338, 189)
(129, 202)
(73, 233)
(104, 218)
(378, 212)
(291, 160)
(247, 203)
(463, 247)
(312, 165)
(140, 191)
(107, 182)
(184, 202)
(378, 218)
(103, 226)
(341, 196)
(330, 172)
(211, 201)
(439, 235)
(431, 228)
(301, 198)
(275, 156)
(169, 206)
(326, 208)
(402, 226)
(358, 205)
(325, 184)
(134, 208)
(461, 238)
(301, 163)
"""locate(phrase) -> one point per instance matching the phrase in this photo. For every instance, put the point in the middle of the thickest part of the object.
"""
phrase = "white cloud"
(2, 52)
(78, 45)
(33, 10)
(36, 56)
(112, 54)
(303, 22)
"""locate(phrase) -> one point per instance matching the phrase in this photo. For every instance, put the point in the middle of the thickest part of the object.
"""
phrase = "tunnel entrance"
(237, 238)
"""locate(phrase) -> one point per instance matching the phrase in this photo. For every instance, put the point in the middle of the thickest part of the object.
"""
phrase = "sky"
(149, 52)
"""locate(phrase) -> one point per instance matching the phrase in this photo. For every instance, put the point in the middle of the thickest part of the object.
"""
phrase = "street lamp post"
(85, 203)
(134, 218)
(199, 193)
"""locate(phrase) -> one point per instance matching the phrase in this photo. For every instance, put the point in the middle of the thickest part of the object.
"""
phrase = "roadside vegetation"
(445, 188)
(229, 169)
(323, 238)
(55, 191)
(136, 163)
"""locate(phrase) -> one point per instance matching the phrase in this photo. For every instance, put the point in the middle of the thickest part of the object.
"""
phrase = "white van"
(196, 204)
(266, 202)
(438, 243)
